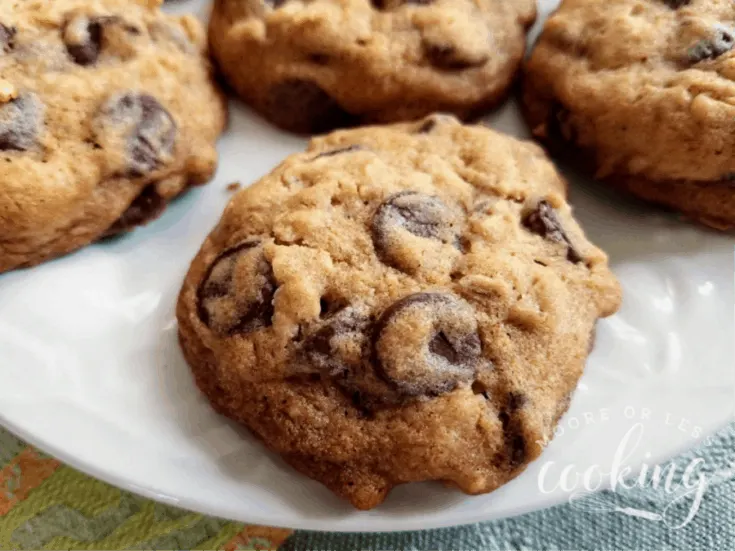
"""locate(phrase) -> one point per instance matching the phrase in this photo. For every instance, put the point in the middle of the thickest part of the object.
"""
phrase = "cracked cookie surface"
(311, 66)
(97, 130)
(398, 304)
(644, 88)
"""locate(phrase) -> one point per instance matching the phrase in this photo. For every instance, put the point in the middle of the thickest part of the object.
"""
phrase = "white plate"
(90, 368)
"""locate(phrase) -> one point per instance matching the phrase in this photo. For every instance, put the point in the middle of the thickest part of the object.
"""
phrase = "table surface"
(47, 505)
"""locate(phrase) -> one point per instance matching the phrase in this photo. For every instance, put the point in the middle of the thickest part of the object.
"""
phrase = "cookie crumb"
(233, 187)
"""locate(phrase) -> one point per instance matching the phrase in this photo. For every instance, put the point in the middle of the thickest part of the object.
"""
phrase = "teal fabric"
(566, 527)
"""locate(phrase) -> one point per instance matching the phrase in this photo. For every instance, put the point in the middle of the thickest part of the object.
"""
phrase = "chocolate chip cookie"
(644, 90)
(107, 112)
(396, 304)
(318, 65)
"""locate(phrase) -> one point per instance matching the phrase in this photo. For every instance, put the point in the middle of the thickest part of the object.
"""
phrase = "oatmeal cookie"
(310, 66)
(396, 304)
(97, 129)
(644, 90)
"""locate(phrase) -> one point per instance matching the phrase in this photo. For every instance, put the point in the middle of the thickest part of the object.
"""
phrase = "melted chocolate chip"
(339, 151)
(515, 442)
(302, 106)
(7, 38)
(336, 345)
(545, 222)
(145, 207)
(143, 125)
(236, 294)
(83, 39)
(418, 214)
(441, 346)
(721, 41)
(515, 446)
(20, 122)
(426, 344)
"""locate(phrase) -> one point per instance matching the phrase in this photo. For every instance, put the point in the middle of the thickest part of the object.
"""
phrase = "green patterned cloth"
(46, 505)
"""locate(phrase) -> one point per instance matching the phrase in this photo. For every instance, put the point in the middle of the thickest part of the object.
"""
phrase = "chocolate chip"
(440, 346)
(545, 222)
(275, 4)
(426, 344)
(449, 58)
(515, 442)
(7, 38)
(516, 446)
(147, 206)
(302, 106)
(143, 125)
(236, 294)
(20, 122)
(83, 39)
(336, 345)
(722, 41)
(418, 214)
(339, 151)
(676, 4)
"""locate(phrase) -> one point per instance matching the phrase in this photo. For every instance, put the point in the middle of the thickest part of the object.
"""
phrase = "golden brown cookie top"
(648, 85)
(315, 65)
(412, 287)
(96, 96)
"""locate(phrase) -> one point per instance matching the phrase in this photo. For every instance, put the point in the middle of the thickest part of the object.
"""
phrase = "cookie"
(107, 112)
(396, 304)
(643, 90)
(313, 66)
